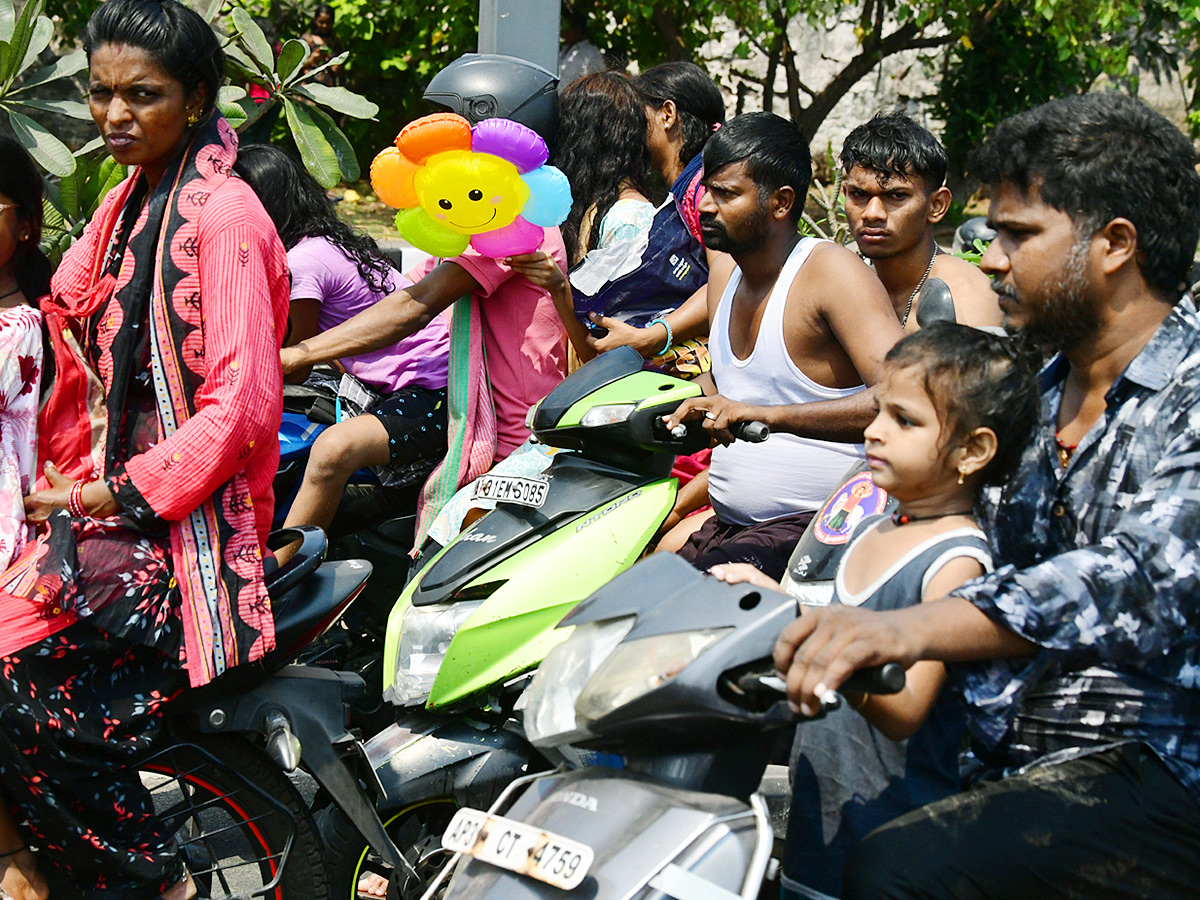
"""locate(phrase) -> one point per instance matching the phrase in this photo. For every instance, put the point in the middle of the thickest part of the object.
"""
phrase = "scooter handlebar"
(886, 679)
(754, 432)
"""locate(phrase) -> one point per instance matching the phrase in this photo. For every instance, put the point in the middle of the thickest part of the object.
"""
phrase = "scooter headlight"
(550, 701)
(425, 636)
(607, 415)
(638, 667)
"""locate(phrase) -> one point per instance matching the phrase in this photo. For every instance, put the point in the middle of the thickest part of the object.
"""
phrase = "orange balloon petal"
(420, 139)
(392, 179)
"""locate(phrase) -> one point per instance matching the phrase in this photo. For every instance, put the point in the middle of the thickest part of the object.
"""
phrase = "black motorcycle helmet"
(481, 86)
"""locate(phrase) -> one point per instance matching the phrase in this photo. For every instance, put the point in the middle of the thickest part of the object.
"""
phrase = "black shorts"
(415, 421)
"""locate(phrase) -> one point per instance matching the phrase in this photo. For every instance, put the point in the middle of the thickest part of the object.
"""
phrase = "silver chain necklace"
(917, 289)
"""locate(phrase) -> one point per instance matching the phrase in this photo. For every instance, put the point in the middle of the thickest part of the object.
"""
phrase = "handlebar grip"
(885, 679)
(754, 432)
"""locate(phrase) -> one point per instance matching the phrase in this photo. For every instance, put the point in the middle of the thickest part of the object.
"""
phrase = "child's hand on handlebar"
(739, 573)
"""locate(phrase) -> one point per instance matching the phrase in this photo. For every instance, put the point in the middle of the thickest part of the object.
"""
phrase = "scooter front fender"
(425, 756)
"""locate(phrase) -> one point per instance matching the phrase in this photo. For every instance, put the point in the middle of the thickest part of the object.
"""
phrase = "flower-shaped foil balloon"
(488, 187)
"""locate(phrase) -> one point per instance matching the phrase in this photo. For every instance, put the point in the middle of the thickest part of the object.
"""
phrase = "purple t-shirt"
(321, 272)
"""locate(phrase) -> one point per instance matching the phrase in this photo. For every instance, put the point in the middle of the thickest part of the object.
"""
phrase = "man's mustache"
(1004, 290)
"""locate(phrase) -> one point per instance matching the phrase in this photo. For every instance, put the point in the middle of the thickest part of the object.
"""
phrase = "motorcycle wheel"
(242, 827)
(416, 830)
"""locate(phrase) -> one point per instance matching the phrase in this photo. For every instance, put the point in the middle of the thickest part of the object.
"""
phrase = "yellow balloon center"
(470, 192)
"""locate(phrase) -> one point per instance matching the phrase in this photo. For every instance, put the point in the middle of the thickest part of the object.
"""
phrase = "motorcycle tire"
(417, 832)
(241, 825)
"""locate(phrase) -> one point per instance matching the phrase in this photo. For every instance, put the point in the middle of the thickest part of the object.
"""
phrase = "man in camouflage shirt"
(1088, 714)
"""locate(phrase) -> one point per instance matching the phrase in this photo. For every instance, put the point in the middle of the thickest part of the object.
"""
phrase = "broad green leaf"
(47, 151)
(8, 19)
(208, 9)
(52, 219)
(253, 41)
(107, 176)
(233, 113)
(62, 67)
(235, 54)
(231, 93)
(316, 154)
(347, 158)
(313, 73)
(22, 33)
(72, 108)
(339, 99)
(254, 111)
(291, 58)
(4, 52)
(70, 187)
(39, 40)
(94, 144)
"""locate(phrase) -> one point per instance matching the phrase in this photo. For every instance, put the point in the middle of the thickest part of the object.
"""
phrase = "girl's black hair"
(601, 149)
(697, 100)
(175, 35)
(976, 379)
(21, 183)
(299, 208)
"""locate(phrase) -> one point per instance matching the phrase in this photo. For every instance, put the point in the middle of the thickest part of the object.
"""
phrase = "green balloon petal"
(418, 228)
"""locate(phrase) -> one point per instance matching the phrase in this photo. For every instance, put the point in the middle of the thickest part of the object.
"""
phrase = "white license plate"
(518, 847)
(512, 489)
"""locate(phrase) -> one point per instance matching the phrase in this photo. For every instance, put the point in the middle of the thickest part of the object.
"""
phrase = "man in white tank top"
(894, 186)
(797, 330)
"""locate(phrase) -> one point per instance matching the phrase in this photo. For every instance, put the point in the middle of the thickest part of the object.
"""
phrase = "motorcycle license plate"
(512, 489)
(517, 847)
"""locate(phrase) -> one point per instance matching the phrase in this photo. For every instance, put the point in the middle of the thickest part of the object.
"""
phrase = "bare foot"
(20, 878)
(372, 885)
(183, 889)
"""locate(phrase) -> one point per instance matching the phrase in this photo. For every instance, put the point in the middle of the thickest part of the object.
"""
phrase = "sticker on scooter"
(616, 504)
(517, 847)
(858, 497)
(512, 489)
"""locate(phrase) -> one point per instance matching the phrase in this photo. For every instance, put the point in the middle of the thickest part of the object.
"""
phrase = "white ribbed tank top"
(786, 474)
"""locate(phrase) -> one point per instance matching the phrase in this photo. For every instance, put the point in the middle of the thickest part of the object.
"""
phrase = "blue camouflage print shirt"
(1103, 573)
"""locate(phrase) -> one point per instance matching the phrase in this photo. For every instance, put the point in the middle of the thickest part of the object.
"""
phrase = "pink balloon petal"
(519, 237)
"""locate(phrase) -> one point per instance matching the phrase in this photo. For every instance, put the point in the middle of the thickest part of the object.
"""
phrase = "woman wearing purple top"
(337, 273)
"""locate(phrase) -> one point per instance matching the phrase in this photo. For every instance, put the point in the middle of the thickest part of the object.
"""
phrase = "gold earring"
(961, 475)
(192, 119)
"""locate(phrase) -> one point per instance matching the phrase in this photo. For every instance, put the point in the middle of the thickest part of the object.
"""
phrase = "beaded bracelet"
(659, 320)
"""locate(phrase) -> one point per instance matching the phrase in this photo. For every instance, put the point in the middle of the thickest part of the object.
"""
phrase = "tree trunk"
(668, 27)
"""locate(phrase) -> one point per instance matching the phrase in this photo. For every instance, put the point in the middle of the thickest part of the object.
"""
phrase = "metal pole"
(527, 29)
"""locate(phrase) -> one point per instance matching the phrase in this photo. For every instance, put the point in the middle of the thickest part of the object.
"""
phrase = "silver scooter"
(670, 670)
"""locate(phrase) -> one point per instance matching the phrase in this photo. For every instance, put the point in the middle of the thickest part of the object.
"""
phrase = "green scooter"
(470, 628)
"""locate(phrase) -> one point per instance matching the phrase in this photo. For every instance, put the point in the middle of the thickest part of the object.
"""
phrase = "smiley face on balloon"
(488, 187)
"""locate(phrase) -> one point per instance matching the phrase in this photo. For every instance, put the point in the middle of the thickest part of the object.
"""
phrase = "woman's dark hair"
(1102, 156)
(299, 208)
(697, 100)
(601, 149)
(20, 182)
(182, 42)
(976, 380)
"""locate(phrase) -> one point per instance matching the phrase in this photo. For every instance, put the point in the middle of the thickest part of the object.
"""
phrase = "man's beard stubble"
(1063, 312)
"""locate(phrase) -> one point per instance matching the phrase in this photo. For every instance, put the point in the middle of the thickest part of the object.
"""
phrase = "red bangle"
(75, 501)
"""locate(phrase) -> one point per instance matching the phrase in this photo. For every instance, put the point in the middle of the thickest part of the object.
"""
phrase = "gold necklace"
(917, 289)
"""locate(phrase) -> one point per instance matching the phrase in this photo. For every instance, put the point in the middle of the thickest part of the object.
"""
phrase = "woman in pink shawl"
(148, 575)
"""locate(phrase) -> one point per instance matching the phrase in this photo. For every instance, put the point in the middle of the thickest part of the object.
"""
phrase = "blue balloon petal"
(549, 200)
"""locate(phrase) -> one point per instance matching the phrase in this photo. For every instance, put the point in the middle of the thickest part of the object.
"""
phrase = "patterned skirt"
(78, 706)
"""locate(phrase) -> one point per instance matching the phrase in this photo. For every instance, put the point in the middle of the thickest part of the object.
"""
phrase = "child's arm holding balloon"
(542, 270)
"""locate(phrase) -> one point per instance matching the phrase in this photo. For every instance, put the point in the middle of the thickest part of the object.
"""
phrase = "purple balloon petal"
(520, 145)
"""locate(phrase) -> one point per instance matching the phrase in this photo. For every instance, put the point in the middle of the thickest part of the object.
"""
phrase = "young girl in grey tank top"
(955, 408)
